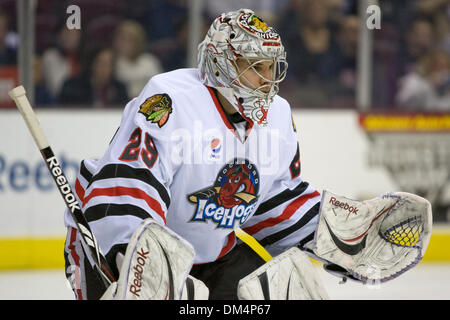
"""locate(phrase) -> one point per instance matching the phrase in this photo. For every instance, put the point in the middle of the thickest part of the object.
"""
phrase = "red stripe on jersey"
(79, 190)
(224, 117)
(124, 191)
(76, 259)
(287, 213)
(220, 110)
(228, 246)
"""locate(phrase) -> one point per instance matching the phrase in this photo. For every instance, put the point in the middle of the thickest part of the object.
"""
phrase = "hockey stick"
(96, 258)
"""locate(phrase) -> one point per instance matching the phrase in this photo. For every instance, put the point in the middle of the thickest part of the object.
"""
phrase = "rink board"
(42, 253)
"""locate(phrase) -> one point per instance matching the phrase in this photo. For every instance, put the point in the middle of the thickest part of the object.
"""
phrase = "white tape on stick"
(18, 94)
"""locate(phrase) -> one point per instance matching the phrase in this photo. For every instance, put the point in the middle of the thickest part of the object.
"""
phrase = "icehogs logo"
(157, 108)
(232, 197)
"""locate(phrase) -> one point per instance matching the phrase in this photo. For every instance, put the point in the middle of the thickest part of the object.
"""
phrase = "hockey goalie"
(199, 194)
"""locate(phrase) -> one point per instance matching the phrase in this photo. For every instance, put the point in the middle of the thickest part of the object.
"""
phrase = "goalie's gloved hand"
(374, 240)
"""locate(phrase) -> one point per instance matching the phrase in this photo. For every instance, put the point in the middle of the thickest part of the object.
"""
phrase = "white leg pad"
(289, 276)
(155, 267)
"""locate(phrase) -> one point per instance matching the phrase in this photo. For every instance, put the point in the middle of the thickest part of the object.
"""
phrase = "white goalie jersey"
(179, 159)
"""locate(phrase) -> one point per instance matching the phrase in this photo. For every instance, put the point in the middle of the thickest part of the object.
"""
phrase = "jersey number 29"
(133, 150)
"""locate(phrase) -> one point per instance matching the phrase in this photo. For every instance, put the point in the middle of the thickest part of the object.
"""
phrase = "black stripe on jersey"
(124, 171)
(280, 198)
(84, 172)
(307, 217)
(100, 211)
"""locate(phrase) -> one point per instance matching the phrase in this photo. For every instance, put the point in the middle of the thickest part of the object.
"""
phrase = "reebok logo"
(343, 205)
(138, 268)
(63, 184)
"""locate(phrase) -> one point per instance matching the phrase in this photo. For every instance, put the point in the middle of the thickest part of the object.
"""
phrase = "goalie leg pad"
(155, 267)
(374, 240)
(194, 289)
(289, 276)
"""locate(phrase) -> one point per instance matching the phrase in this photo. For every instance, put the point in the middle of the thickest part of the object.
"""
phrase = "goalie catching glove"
(374, 240)
(156, 267)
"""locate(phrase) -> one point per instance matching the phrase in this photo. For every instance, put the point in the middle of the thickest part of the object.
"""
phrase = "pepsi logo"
(216, 146)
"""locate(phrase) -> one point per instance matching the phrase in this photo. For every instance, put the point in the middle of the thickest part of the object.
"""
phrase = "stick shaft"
(95, 256)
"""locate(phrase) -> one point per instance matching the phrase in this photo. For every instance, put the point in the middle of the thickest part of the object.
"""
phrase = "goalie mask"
(241, 35)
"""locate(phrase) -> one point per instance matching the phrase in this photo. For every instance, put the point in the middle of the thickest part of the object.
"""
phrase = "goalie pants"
(221, 276)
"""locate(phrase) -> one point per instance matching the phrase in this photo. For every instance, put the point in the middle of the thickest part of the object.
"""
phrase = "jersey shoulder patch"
(157, 108)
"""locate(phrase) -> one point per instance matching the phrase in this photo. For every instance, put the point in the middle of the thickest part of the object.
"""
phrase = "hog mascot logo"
(232, 197)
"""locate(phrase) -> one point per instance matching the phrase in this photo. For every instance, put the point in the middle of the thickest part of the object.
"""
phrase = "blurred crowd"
(122, 44)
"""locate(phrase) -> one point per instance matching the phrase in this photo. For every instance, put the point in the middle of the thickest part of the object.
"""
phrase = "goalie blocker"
(374, 240)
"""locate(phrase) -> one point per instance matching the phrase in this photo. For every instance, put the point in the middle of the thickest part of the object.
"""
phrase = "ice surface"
(424, 282)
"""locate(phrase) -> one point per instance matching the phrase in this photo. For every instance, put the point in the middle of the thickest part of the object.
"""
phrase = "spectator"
(177, 57)
(343, 7)
(269, 9)
(420, 39)
(438, 11)
(338, 9)
(403, 38)
(308, 39)
(134, 66)
(62, 61)
(97, 85)
(339, 65)
(161, 18)
(8, 54)
(428, 87)
(42, 96)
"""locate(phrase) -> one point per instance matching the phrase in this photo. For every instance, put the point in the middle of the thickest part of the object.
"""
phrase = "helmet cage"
(278, 67)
